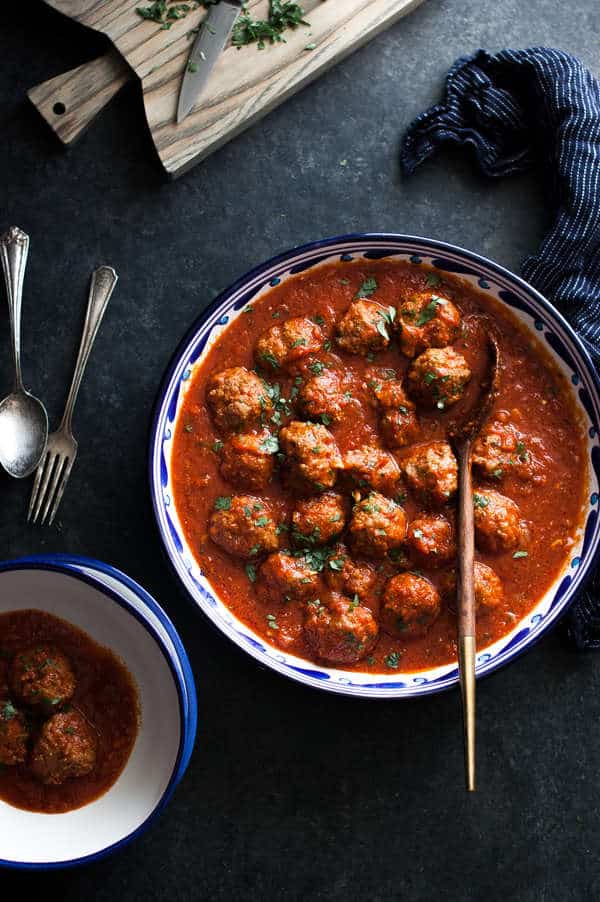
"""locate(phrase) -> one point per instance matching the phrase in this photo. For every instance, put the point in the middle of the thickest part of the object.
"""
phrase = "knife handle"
(71, 101)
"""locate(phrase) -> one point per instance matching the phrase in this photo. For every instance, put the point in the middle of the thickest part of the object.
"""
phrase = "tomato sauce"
(105, 696)
(532, 390)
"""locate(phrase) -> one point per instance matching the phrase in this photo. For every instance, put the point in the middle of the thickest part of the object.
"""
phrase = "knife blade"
(208, 46)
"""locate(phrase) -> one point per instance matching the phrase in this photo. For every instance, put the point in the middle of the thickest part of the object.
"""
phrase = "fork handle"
(104, 280)
(14, 247)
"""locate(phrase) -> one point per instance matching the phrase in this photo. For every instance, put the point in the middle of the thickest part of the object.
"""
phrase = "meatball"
(237, 399)
(325, 397)
(498, 526)
(500, 450)
(13, 734)
(41, 676)
(340, 631)
(285, 577)
(243, 526)
(489, 593)
(437, 377)
(318, 520)
(397, 420)
(373, 467)
(65, 748)
(378, 526)
(284, 344)
(349, 577)
(311, 453)
(426, 320)
(430, 540)
(248, 460)
(364, 328)
(431, 472)
(410, 605)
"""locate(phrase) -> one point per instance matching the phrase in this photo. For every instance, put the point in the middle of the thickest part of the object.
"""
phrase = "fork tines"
(50, 480)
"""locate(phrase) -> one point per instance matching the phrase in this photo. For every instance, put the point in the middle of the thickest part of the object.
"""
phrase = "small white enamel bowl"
(120, 615)
(535, 313)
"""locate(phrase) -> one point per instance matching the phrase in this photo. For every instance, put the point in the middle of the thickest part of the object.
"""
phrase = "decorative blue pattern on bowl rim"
(527, 304)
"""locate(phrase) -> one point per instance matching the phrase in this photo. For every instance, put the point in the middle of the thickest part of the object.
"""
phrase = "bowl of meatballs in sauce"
(304, 477)
(97, 711)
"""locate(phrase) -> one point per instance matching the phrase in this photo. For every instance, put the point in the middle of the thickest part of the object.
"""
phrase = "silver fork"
(55, 468)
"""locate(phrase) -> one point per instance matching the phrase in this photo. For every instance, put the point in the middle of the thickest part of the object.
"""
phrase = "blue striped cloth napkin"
(517, 110)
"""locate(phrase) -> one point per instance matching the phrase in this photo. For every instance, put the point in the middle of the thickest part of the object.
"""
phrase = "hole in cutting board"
(59, 108)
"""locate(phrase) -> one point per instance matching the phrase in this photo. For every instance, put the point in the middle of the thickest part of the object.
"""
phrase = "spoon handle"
(14, 247)
(104, 280)
(466, 606)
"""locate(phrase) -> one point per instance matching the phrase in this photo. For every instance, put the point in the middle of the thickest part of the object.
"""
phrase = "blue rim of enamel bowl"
(373, 246)
(177, 662)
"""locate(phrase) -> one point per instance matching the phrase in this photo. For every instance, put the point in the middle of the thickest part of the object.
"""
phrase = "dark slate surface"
(290, 794)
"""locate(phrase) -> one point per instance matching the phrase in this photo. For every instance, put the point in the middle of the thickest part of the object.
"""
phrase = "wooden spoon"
(463, 435)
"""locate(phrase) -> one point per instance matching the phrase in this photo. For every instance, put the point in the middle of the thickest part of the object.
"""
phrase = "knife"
(208, 45)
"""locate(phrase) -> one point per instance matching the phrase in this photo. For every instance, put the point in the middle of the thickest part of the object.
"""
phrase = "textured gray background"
(290, 794)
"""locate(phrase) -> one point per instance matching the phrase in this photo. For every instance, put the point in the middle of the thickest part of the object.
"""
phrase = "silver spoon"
(23, 418)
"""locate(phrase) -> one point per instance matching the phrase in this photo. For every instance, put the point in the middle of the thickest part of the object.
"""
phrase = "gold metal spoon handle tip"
(466, 654)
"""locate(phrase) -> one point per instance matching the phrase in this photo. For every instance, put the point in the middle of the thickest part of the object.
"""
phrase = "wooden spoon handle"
(466, 607)
(69, 102)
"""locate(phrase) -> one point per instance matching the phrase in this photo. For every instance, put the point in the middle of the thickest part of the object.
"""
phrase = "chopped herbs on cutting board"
(283, 14)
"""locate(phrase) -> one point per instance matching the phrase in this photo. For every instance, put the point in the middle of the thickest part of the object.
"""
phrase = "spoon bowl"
(23, 433)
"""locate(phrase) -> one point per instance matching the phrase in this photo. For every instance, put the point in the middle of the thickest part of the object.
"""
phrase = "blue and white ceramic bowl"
(539, 317)
(120, 615)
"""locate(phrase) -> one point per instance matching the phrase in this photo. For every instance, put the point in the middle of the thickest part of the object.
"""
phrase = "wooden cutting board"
(244, 85)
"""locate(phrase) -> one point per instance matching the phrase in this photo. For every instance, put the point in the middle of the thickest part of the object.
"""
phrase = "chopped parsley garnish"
(272, 621)
(428, 312)
(429, 378)
(251, 572)
(519, 554)
(368, 287)
(319, 320)
(270, 359)
(248, 309)
(392, 660)
(522, 451)
(192, 67)
(282, 14)
(317, 367)
(217, 446)
(314, 558)
(498, 473)
(336, 564)
(480, 501)
(433, 280)
(325, 419)
(354, 603)
(298, 343)
(385, 319)
(262, 521)
(165, 12)
(8, 711)
(223, 503)
(270, 444)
